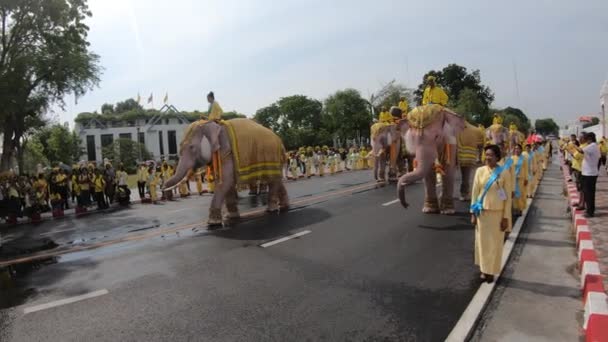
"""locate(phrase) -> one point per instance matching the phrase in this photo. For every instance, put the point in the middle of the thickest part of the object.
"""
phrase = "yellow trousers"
(489, 240)
(199, 183)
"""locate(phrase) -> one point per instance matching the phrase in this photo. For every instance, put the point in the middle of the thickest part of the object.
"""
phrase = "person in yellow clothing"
(577, 167)
(215, 111)
(385, 116)
(404, 106)
(100, 185)
(142, 178)
(603, 153)
(434, 94)
(531, 170)
(210, 180)
(520, 192)
(183, 186)
(198, 176)
(491, 210)
(153, 180)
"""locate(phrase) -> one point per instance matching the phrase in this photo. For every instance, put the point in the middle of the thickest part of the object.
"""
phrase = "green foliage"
(127, 105)
(296, 119)
(346, 114)
(58, 145)
(469, 105)
(107, 108)
(44, 56)
(389, 95)
(454, 79)
(127, 152)
(33, 155)
(546, 126)
(517, 116)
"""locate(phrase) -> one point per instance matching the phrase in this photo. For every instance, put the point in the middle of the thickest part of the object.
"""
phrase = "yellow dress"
(489, 238)
(434, 95)
(532, 175)
(215, 111)
(520, 202)
(199, 181)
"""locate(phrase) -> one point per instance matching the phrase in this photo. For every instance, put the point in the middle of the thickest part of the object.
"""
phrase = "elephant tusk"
(176, 185)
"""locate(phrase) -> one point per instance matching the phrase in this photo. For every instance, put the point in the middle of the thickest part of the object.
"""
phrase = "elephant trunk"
(184, 165)
(425, 161)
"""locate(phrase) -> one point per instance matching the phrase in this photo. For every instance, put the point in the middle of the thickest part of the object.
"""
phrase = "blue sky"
(251, 53)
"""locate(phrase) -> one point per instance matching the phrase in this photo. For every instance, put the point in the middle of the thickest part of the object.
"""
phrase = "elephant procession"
(499, 168)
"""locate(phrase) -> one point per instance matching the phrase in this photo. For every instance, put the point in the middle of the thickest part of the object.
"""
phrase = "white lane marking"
(178, 210)
(272, 243)
(65, 301)
(390, 203)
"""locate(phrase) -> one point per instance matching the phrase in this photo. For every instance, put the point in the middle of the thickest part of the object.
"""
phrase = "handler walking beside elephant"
(490, 213)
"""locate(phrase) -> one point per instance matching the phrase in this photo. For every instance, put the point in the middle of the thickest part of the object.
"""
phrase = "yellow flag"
(166, 99)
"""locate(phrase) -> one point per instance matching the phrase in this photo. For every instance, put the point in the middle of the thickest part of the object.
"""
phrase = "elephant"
(515, 137)
(383, 136)
(470, 148)
(497, 134)
(210, 142)
(431, 131)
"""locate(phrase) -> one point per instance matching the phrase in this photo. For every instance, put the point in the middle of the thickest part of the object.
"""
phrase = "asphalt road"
(364, 272)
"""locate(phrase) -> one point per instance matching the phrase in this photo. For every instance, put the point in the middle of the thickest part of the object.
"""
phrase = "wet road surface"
(359, 270)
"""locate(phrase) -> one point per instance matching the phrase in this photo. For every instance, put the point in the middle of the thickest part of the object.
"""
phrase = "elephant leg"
(219, 197)
(447, 193)
(431, 203)
(273, 197)
(465, 183)
(283, 197)
(382, 171)
(392, 171)
(231, 204)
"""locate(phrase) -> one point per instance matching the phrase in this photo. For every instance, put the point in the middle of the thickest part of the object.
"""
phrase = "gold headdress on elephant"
(513, 127)
(190, 131)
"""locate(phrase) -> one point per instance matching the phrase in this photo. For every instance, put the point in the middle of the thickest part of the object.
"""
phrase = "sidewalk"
(598, 225)
(538, 297)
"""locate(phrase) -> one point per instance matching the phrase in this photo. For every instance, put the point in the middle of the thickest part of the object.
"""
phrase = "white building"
(161, 134)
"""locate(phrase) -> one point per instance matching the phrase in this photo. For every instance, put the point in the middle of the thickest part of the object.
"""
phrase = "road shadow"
(270, 226)
(541, 288)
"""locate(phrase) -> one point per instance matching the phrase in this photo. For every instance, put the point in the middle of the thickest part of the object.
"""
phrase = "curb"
(595, 300)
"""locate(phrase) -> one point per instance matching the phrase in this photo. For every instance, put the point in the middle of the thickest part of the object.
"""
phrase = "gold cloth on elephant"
(377, 127)
(257, 151)
(422, 116)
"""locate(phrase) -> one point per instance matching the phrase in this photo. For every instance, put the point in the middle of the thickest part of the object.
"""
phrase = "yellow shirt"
(100, 184)
(142, 174)
(492, 200)
(215, 111)
(603, 148)
(404, 108)
(435, 95)
(385, 117)
(523, 172)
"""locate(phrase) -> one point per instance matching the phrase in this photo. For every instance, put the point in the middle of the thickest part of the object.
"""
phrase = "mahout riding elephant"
(383, 136)
(430, 131)
(240, 151)
(497, 134)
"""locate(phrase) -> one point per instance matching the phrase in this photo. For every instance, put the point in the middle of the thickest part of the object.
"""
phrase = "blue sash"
(530, 161)
(477, 207)
(520, 162)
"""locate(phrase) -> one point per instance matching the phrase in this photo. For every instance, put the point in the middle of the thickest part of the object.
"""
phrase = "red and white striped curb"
(595, 300)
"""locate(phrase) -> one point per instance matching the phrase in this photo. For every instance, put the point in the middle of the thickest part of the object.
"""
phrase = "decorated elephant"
(431, 131)
(386, 142)
(497, 134)
(470, 148)
(241, 152)
(515, 137)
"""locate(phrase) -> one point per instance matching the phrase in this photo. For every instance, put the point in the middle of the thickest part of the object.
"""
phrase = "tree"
(58, 144)
(469, 105)
(44, 55)
(454, 79)
(232, 115)
(518, 117)
(346, 115)
(389, 95)
(546, 126)
(126, 106)
(107, 108)
(296, 119)
(127, 152)
(33, 155)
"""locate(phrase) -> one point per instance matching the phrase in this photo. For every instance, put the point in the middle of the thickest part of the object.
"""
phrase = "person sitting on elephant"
(434, 94)
(385, 116)
(498, 134)
(403, 105)
(215, 111)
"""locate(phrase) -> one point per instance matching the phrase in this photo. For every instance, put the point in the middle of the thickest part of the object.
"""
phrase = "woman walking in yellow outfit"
(520, 160)
(491, 210)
